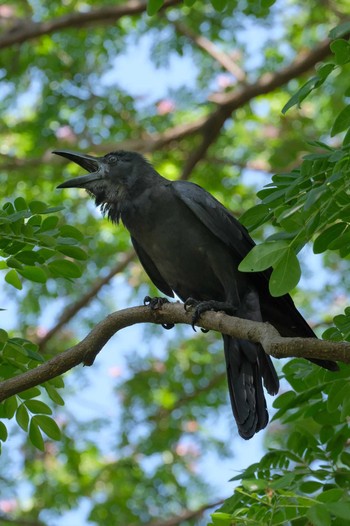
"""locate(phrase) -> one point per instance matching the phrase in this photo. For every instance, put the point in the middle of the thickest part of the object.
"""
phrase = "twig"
(209, 47)
(86, 351)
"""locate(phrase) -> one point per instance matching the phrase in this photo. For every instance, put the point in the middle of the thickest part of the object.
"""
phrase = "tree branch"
(231, 101)
(26, 30)
(209, 47)
(209, 126)
(86, 351)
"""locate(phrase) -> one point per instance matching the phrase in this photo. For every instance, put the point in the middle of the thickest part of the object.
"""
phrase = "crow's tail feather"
(248, 368)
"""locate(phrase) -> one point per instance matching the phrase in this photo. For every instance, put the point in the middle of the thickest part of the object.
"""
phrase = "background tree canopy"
(239, 97)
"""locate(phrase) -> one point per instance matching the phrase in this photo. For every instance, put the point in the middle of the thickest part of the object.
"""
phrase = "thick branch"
(86, 351)
(27, 30)
(229, 102)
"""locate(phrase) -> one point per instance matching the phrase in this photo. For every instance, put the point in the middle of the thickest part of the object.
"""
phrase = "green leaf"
(10, 406)
(37, 406)
(13, 279)
(342, 122)
(22, 417)
(319, 515)
(340, 30)
(3, 336)
(301, 94)
(64, 268)
(3, 432)
(341, 49)
(263, 256)
(72, 251)
(30, 393)
(48, 425)
(37, 207)
(221, 519)
(219, 5)
(255, 216)
(53, 394)
(310, 486)
(20, 204)
(153, 6)
(323, 72)
(35, 435)
(331, 495)
(33, 274)
(71, 231)
(28, 257)
(331, 233)
(339, 509)
(284, 399)
(286, 274)
(254, 484)
(49, 223)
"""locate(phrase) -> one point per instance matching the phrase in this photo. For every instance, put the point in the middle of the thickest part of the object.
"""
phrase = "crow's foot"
(204, 306)
(155, 304)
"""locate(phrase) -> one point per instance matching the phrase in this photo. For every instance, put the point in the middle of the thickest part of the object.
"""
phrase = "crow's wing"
(215, 217)
(151, 269)
(280, 311)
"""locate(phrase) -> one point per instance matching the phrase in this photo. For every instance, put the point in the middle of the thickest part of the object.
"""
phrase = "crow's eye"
(113, 159)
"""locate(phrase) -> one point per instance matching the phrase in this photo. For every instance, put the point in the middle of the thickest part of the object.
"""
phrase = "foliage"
(305, 476)
(142, 454)
(310, 203)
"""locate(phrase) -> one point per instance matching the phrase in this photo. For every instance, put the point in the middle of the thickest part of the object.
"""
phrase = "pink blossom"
(224, 81)
(165, 106)
(65, 133)
(115, 371)
(8, 505)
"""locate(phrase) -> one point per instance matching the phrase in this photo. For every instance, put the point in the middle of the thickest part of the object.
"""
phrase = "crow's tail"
(248, 369)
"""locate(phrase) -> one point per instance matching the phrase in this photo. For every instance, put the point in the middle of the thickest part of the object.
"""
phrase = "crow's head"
(112, 179)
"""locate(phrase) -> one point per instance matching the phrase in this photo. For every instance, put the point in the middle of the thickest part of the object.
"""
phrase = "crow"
(191, 245)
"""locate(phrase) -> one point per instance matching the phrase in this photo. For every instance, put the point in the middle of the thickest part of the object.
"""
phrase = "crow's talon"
(155, 303)
(204, 306)
(168, 326)
(190, 303)
(147, 300)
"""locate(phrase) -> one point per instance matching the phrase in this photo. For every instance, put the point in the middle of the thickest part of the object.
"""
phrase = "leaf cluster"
(37, 248)
(304, 478)
(309, 203)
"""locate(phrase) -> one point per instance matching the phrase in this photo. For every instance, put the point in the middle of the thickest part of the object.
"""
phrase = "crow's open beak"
(94, 165)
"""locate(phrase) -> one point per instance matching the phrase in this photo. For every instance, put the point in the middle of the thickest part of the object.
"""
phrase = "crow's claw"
(168, 326)
(204, 306)
(190, 303)
(155, 304)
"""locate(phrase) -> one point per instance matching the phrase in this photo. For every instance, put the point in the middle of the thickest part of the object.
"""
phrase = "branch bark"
(27, 30)
(86, 351)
